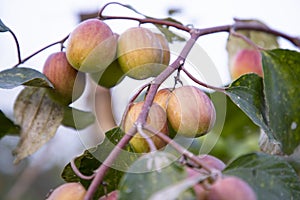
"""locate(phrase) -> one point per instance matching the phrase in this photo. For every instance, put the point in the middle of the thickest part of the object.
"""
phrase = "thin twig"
(219, 89)
(39, 51)
(246, 39)
(142, 20)
(100, 172)
(150, 142)
(178, 148)
(78, 173)
(17, 44)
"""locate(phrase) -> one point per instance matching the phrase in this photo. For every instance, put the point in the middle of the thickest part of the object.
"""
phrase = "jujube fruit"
(140, 53)
(91, 46)
(162, 97)
(111, 76)
(157, 119)
(69, 84)
(246, 61)
(190, 111)
(68, 191)
(165, 47)
(230, 188)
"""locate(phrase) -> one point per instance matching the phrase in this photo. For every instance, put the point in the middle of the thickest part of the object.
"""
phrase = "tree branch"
(39, 51)
(100, 172)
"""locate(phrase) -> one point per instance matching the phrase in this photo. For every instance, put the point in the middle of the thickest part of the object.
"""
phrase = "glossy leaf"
(247, 93)
(77, 119)
(271, 177)
(237, 124)
(282, 94)
(93, 158)
(151, 173)
(3, 27)
(7, 126)
(39, 117)
(17, 76)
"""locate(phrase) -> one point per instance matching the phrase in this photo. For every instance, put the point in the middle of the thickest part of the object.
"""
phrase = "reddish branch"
(154, 85)
(141, 121)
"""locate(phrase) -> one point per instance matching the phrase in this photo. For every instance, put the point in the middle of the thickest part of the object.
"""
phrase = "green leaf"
(170, 35)
(175, 190)
(238, 132)
(7, 126)
(17, 76)
(149, 174)
(282, 93)
(3, 28)
(39, 117)
(271, 177)
(77, 119)
(247, 93)
(237, 124)
(93, 158)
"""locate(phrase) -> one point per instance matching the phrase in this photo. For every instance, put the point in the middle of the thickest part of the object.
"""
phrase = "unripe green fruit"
(157, 119)
(110, 77)
(140, 53)
(231, 188)
(91, 46)
(69, 84)
(246, 61)
(190, 112)
(68, 191)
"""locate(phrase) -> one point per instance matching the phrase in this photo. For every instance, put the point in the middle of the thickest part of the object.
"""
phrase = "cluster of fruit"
(222, 188)
(186, 111)
(139, 53)
(93, 48)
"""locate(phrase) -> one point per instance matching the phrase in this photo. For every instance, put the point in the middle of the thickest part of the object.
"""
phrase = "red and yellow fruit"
(190, 111)
(246, 61)
(141, 53)
(68, 191)
(165, 47)
(91, 46)
(157, 119)
(162, 97)
(69, 84)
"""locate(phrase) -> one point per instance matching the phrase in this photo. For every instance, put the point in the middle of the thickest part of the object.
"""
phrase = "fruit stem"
(100, 172)
(219, 89)
(145, 136)
(17, 44)
(163, 76)
(179, 148)
(247, 40)
(78, 173)
(238, 25)
(39, 51)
